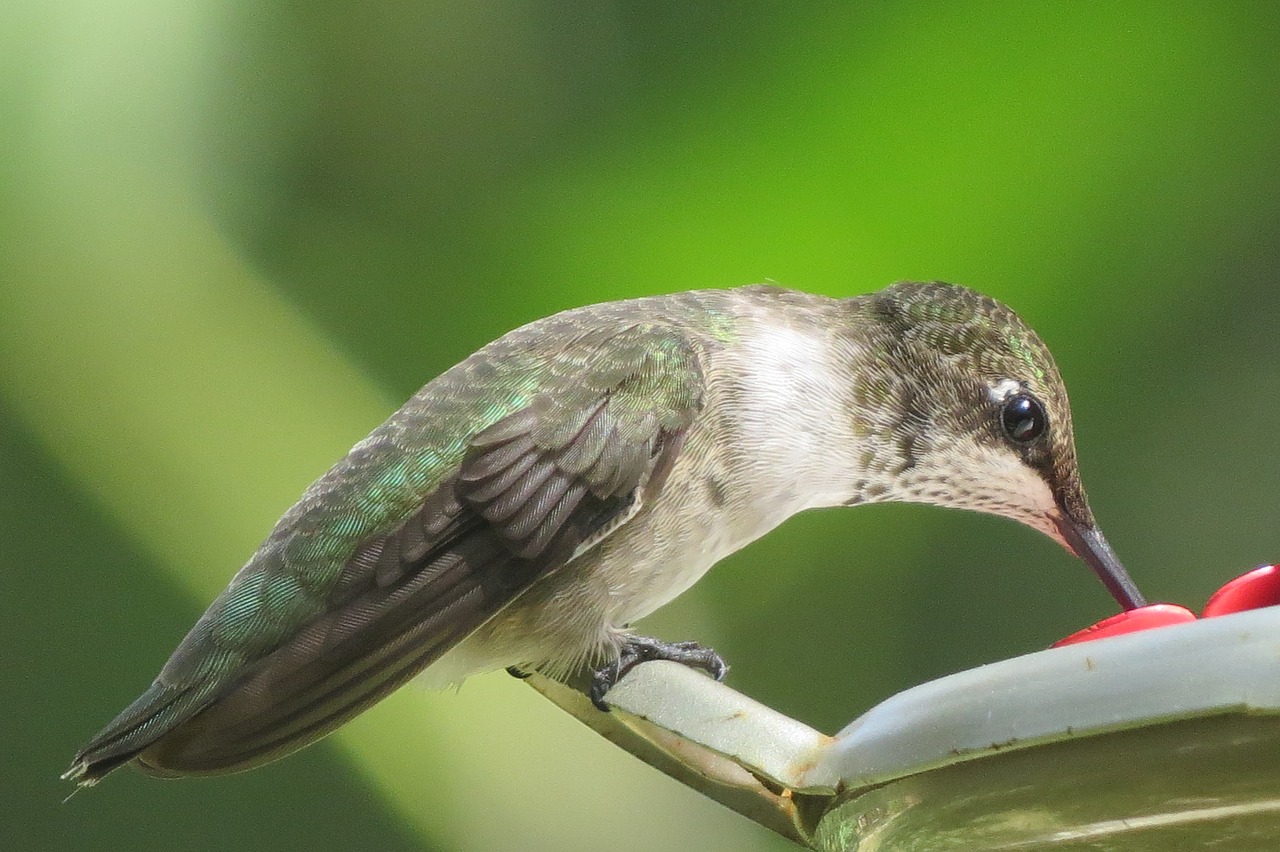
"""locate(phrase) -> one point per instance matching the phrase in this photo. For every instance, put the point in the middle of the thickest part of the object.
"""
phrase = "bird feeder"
(1164, 737)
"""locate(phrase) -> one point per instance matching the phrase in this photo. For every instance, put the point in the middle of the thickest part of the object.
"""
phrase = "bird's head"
(963, 407)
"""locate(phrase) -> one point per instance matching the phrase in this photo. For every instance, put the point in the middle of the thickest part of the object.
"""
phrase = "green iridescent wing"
(600, 420)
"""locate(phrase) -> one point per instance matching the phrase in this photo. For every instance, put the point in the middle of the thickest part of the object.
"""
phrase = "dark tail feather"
(331, 670)
(156, 712)
(205, 719)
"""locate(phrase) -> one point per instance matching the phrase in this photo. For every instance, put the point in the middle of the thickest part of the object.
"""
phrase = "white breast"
(794, 420)
(772, 439)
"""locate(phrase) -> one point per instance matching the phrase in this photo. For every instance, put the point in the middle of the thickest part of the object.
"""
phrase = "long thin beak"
(1089, 545)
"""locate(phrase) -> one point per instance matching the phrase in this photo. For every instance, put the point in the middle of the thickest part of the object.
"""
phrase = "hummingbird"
(530, 503)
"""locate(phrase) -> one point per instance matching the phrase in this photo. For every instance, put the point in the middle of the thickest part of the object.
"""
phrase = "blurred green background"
(234, 236)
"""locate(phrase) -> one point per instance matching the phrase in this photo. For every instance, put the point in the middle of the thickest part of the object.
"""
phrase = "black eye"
(1023, 418)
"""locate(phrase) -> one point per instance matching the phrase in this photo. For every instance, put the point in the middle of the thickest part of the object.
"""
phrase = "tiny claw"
(603, 680)
(641, 649)
(518, 673)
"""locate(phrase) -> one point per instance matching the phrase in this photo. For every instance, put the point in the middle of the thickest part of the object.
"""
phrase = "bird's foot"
(519, 673)
(641, 649)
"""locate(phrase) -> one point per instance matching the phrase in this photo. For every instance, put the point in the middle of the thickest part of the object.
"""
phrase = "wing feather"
(535, 489)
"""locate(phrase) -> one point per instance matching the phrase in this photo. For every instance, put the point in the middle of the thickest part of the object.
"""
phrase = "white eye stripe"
(1004, 389)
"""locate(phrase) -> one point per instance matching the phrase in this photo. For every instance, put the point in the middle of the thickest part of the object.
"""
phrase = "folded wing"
(540, 485)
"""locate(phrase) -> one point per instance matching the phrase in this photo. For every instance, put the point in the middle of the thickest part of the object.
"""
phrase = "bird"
(529, 504)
